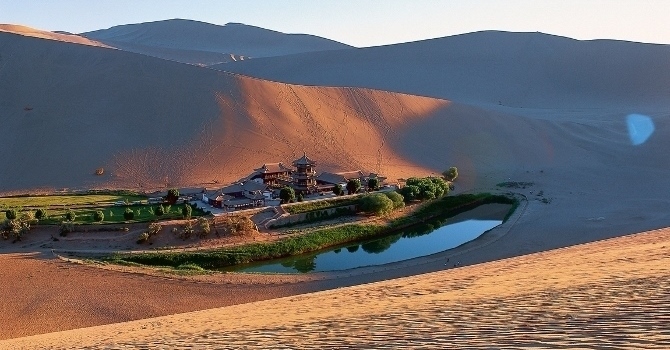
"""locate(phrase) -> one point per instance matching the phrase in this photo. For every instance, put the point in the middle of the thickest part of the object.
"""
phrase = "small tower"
(304, 177)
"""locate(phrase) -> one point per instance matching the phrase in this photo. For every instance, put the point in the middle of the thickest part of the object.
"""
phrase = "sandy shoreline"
(612, 293)
(106, 287)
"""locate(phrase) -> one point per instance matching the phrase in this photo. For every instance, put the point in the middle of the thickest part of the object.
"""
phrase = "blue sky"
(365, 22)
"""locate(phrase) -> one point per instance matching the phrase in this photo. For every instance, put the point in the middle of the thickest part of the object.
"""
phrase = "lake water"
(421, 240)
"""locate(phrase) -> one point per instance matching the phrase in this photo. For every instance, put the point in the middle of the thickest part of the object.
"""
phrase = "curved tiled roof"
(304, 160)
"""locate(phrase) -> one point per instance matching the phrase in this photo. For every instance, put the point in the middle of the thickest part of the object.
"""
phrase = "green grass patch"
(114, 214)
(321, 204)
(66, 200)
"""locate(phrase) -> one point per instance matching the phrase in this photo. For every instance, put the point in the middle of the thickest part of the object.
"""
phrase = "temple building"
(272, 174)
(304, 177)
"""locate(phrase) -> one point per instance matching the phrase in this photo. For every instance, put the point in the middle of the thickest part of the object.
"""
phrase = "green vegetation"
(67, 200)
(313, 241)
(172, 196)
(41, 214)
(115, 214)
(450, 174)
(70, 215)
(338, 190)
(397, 199)
(128, 214)
(153, 230)
(321, 204)
(424, 188)
(378, 204)
(287, 194)
(98, 215)
(373, 184)
(11, 214)
(186, 211)
(353, 186)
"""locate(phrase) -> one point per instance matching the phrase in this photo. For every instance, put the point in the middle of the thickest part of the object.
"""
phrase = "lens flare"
(640, 128)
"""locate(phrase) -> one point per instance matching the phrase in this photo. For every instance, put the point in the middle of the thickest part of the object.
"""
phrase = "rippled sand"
(612, 294)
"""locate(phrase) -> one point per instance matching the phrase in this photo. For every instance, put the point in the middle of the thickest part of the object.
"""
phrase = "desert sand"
(589, 182)
(42, 34)
(608, 294)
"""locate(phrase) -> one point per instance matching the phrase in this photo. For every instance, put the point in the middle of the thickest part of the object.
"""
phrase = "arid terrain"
(608, 294)
(552, 112)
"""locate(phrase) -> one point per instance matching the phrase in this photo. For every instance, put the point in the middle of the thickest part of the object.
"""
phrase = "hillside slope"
(519, 70)
(202, 43)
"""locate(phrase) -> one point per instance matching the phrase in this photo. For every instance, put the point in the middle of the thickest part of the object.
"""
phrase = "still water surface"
(421, 240)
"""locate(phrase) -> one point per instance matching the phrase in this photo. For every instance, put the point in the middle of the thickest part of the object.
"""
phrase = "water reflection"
(420, 240)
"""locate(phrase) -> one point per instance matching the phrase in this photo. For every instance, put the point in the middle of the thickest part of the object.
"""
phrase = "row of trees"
(424, 188)
(288, 195)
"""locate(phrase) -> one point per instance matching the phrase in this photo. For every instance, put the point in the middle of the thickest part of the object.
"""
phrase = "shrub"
(204, 226)
(143, 237)
(186, 211)
(300, 198)
(66, 227)
(353, 186)
(397, 199)
(154, 228)
(187, 230)
(70, 215)
(99, 216)
(373, 184)
(128, 214)
(451, 174)
(11, 214)
(172, 196)
(377, 204)
(160, 210)
(338, 190)
(41, 214)
(287, 194)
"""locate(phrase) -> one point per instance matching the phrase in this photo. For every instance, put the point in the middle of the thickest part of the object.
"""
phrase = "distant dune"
(202, 43)
(518, 70)
(58, 36)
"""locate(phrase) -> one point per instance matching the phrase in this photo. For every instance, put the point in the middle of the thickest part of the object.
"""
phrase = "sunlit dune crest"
(42, 34)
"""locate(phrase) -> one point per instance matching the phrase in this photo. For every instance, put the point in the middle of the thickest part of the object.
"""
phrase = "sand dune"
(515, 70)
(608, 294)
(196, 42)
(36, 33)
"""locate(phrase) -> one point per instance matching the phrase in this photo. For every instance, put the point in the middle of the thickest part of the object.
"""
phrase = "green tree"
(300, 198)
(11, 214)
(397, 199)
(450, 174)
(41, 214)
(287, 194)
(186, 211)
(172, 196)
(99, 216)
(353, 186)
(441, 186)
(410, 192)
(70, 215)
(373, 184)
(204, 226)
(128, 214)
(377, 204)
(338, 190)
